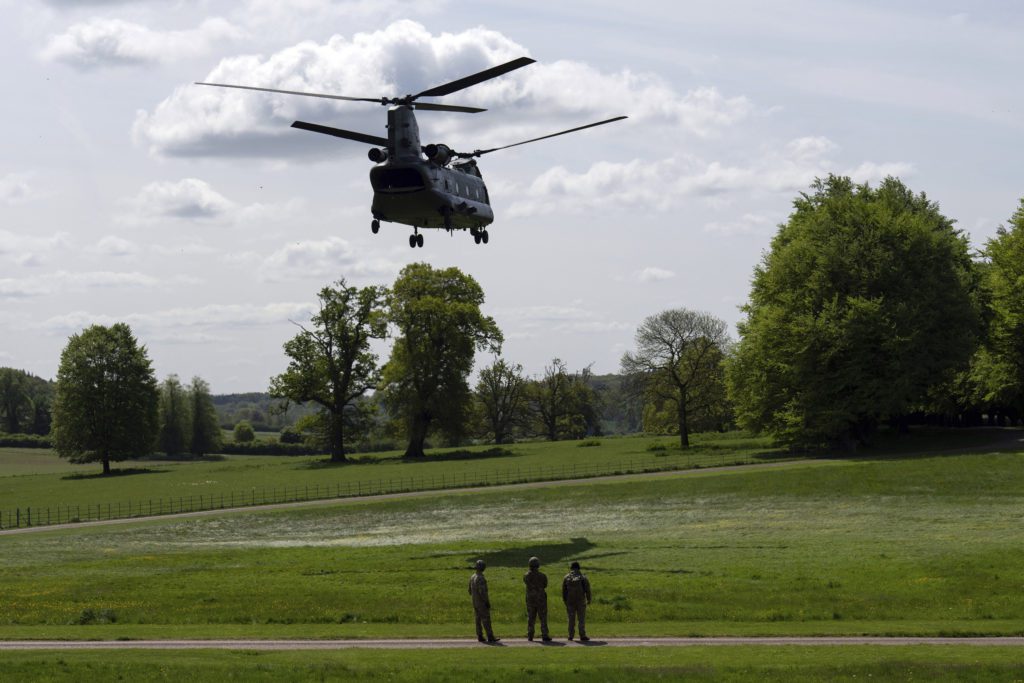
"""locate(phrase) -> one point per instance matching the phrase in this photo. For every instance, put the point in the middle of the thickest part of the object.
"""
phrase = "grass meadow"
(40, 480)
(627, 665)
(898, 544)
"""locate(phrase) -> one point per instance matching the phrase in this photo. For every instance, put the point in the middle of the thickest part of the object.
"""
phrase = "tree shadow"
(550, 554)
(129, 471)
(184, 458)
(463, 454)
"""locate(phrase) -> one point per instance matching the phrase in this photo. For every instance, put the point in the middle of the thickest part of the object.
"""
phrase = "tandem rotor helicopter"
(424, 186)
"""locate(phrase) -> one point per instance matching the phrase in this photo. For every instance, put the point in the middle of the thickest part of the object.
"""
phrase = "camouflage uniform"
(481, 604)
(576, 596)
(536, 600)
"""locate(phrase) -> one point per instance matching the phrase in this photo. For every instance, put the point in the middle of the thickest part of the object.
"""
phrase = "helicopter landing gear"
(375, 226)
(415, 240)
(479, 235)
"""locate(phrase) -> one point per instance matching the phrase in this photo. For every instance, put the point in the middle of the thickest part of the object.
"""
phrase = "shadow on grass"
(934, 443)
(496, 452)
(126, 472)
(551, 554)
(180, 458)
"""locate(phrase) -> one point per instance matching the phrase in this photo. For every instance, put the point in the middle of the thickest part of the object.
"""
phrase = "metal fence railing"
(152, 507)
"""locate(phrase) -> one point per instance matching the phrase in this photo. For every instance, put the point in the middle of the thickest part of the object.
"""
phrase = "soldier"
(536, 600)
(576, 596)
(481, 603)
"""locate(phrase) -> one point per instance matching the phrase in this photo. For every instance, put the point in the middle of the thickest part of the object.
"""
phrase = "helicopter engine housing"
(377, 155)
(439, 154)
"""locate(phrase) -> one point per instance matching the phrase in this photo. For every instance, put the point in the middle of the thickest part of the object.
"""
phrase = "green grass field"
(62, 490)
(890, 544)
(783, 664)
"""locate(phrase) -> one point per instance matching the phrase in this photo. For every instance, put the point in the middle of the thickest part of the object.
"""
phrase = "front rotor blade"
(295, 92)
(485, 75)
(339, 133)
(428, 106)
(545, 137)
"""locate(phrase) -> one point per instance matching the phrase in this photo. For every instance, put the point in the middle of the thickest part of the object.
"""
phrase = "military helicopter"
(424, 186)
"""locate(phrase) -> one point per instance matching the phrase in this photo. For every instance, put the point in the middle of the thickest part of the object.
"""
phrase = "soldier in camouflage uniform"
(481, 603)
(536, 600)
(576, 596)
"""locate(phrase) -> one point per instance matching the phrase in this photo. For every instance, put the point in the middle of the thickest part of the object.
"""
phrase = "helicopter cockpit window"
(399, 180)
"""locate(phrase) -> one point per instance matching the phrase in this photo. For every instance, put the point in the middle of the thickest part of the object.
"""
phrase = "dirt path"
(407, 494)
(451, 643)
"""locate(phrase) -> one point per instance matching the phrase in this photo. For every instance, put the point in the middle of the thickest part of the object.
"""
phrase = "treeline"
(868, 310)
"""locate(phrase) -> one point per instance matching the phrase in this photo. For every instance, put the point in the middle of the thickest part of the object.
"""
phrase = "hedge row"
(25, 441)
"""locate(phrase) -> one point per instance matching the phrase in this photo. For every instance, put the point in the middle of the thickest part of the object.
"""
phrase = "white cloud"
(223, 316)
(29, 250)
(748, 223)
(405, 57)
(655, 274)
(663, 184)
(192, 199)
(332, 257)
(532, 321)
(112, 245)
(113, 42)
(15, 188)
(64, 281)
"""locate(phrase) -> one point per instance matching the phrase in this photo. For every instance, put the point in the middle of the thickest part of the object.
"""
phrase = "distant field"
(239, 480)
(911, 545)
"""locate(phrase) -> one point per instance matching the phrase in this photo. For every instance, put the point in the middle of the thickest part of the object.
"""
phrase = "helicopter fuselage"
(410, 188)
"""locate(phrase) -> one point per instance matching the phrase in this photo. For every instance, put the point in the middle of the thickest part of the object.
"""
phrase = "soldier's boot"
(583, 639)
(546, 638)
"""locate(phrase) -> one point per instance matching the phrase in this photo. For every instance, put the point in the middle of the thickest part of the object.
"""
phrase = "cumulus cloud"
(748, 223)
(662, 184)
(29, 250)
(112, 245)
(331, 257)
(654, 274)
(15, 188)
(103, 42)
(193, 199)
(402, 58)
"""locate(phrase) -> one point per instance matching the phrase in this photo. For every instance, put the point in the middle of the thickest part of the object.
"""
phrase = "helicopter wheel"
(484, 236)
(419, 240)
(412, 241)
(476, 237)
(374, 226)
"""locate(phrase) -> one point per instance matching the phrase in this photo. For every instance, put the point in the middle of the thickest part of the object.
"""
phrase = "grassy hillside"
(914, 545)
(74, 490)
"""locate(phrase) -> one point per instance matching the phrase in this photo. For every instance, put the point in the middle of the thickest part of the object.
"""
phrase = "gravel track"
(451, 643)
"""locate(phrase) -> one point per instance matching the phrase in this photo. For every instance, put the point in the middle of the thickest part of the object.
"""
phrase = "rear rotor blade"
(544, 137)
(295, 92)
(428, 106)
(339, 133)
(485, 75)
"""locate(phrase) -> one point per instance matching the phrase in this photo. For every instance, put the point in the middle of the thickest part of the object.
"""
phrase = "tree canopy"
(106, 400)
(331, 363)
(25, 402)
(206, 436)
(678, 367)
(439, 325)
(866, 300)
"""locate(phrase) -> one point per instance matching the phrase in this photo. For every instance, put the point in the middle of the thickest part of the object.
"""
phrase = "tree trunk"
(684, 432)
(417, 437)
(106, 465)
(337, 438)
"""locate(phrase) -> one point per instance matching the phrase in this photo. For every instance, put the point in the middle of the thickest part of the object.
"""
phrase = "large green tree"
(501, 395)
(206, 434)
(25, 402)
(999, 366)
(436, 313)
(677, 366)
(175, 417)
(331, 363)
(106, 401)
(866, 300)
(564, 404)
